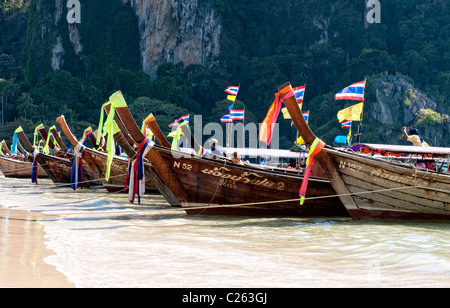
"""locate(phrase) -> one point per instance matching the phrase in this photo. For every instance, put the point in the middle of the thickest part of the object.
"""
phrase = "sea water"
(99, 239)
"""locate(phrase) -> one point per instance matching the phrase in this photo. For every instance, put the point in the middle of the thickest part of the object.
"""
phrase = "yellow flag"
(174, 133)
(231, 98)
(349, 136)
(352, 113)
(299, 141)
(286, 114)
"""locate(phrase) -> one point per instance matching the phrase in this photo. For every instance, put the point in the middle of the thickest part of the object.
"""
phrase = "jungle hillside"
(49, 67)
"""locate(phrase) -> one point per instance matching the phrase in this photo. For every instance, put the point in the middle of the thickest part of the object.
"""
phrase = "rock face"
(176, 31)
(397, 96)
(398, 104)
(185, 31)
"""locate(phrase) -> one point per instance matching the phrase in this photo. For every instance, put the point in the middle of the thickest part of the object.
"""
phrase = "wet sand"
(23, 250)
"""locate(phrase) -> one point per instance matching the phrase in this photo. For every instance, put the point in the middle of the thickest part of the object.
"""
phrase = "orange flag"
(266, 131)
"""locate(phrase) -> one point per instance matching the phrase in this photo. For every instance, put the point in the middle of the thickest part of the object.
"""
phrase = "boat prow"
(374, 188)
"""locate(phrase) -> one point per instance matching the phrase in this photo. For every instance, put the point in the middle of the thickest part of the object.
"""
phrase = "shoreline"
(23, 250)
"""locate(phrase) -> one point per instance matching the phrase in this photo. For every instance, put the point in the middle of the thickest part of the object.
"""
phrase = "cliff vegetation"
(177, 57)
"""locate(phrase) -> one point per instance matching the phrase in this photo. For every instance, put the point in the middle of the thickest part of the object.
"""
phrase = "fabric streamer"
(144, 128)
(177, 135)
(315, 148)
(76, 176)
(110, 128)
(34, 171)
(36, 132)
(100, 124)
(87, 132)
(14, 144)
(268, 124)
(46, 149)
(136, 172)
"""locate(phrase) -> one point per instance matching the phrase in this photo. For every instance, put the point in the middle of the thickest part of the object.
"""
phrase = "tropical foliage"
(325, 45)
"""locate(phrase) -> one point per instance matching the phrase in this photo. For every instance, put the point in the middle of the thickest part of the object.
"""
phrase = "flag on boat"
(341, 139)
(237, 114)
(226, 119)
(352, 92)
(346, 124)
(232, 90)
(305, 116)
(286, 114)
(177, 121)
(352, 113)
(268, 125)
(231, 98)
(299, 92)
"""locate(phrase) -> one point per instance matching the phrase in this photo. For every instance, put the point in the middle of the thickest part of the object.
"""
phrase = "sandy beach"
(22, 253)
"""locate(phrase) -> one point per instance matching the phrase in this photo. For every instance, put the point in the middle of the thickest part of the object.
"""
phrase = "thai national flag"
(347, 124)
(232, 90)
(237, 114)
(305, 116)
(177, 121)
(299, 92)
(352, 92)
(226, 119)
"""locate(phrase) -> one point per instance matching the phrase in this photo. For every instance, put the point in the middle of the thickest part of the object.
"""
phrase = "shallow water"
(100, 240)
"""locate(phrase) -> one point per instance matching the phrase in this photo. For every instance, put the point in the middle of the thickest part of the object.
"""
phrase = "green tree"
(25, 105)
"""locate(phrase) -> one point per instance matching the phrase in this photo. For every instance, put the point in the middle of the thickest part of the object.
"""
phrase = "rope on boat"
(209, 206)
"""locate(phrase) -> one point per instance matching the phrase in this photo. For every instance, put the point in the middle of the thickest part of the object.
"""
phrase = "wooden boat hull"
(15, 168)
(385, 190)
(61, 168)
(118, 173)
(215, 187)
(372, 188)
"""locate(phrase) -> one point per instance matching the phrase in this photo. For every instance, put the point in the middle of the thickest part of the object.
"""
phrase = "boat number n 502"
(350, 166)
(177, 164)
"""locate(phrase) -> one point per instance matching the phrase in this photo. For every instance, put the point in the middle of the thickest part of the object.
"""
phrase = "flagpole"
(243, 130)
(361, 119)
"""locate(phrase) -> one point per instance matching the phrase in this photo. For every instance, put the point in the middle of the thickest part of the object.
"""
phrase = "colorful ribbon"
(110, 128)
(136, 172)
(14, 144)
(1, 146)
(76, 176)
(36, 132)
(315, 148)
(144, 128)
(87, 132)
(100, 124)
(34, 170)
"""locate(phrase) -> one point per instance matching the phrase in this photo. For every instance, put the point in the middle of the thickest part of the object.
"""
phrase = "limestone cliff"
(398, 103)
(185, 31)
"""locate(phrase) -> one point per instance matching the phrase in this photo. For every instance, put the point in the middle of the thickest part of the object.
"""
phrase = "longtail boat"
(97, 162)
(376, 188)
(89, 178)
(39, 159)
(60, 164)
(17, 166)
(216, 186)
(57, 166)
